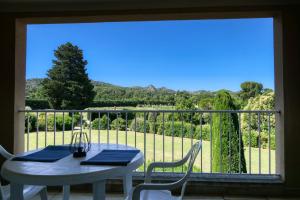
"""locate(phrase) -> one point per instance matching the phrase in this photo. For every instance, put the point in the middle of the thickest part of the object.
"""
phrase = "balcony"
(167, 135)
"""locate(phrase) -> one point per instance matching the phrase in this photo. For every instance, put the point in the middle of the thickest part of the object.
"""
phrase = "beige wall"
(290, 71)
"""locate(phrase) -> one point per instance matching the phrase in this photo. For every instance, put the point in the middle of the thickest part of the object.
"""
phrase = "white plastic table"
(68, 171)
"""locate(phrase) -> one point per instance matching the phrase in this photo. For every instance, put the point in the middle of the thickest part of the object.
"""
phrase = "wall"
(290, 71)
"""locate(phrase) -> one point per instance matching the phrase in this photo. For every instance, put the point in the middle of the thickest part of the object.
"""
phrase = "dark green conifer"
(67, 85)
(228, 149)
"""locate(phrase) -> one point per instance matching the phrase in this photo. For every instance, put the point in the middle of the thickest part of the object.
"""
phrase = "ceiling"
(65, 5)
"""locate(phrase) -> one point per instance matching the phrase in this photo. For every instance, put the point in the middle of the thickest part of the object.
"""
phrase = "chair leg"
(43, 194)
(66, 192)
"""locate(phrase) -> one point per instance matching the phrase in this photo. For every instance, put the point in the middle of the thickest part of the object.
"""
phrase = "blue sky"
(181, 55)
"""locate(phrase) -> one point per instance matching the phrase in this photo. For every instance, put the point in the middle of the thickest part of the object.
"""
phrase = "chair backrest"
(6, 155)
(191, 156)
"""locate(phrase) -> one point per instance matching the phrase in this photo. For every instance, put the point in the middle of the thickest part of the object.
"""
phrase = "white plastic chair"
(162, 191)
(29, 191)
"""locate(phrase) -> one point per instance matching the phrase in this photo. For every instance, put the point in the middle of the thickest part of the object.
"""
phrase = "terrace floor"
(88, 196)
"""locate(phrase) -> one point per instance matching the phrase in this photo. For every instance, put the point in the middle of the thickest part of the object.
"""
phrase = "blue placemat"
(48, 154)
(112, 157)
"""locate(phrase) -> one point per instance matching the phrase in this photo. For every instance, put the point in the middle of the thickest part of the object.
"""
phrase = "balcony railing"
(167, 135)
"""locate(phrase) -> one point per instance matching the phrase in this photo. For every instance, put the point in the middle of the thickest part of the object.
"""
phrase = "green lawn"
(149, 154)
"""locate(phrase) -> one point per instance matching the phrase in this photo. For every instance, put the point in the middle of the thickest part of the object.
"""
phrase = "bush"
(30, 122)
(264, 142)
(37, 104)
(140, 126)
(119, 124)
(103, 123)
(179, 129)
(205, 132)
(67, 120)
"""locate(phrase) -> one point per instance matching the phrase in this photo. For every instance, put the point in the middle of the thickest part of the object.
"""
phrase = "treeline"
(44, 104)
(109, 95)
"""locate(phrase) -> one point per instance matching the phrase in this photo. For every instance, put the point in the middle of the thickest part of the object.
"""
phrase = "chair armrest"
(5, 153)
(152, 186)
(163, 165)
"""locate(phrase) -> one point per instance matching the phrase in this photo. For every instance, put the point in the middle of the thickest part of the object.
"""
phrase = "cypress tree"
(226, 152)
(67, 85)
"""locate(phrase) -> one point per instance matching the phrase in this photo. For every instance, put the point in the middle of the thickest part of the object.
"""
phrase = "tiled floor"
(87, 196)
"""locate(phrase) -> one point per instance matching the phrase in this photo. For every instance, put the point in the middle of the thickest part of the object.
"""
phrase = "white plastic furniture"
(28, 191)
(162, 191)
(68, 171)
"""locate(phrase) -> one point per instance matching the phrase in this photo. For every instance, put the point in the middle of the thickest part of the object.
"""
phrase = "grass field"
(38, 141)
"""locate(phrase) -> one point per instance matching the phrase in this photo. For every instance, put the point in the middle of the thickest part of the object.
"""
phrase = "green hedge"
(119, 124)
(44, 104)
(30, 122)
(177, 129)
(37, 104)
(139, 125)
(254, 138)
(205, 132)
(59, 122)
(41, 122)
(103, 123)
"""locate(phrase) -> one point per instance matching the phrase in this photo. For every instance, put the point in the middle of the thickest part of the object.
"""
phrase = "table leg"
(66, 192)
(127, 184)
(99, 190)
(16, 191)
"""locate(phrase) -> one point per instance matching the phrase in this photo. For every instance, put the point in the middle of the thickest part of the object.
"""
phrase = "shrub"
(67, 120)
(139, 125)
(30, 122)
(261, 102)
(205, 132)
(179, 129)
(264, 142)
(119, 124)
(103, 123)
(37, 104)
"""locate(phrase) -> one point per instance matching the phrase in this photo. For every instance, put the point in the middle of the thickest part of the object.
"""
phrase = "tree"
(67, 85)
(265, 101)
(184, 102)
(250, 89)
(228, 148)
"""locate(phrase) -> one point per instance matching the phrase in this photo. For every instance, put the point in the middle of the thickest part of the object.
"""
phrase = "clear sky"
(181, 55)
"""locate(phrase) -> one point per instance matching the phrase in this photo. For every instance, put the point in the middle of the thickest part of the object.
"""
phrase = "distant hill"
(110, 94)
(107, 91)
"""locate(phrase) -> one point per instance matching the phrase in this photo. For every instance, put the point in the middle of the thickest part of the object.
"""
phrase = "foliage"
(33, 122)
(178, 129)
(34, 90)
(37, 103)
(67, 85)
(184, 102)
(101, 123)
(226, 146)
(58, 122)
(119, 123)
(30, 122)
(206, 103)
(250, 89)
(253, 140)
(261, 102)
(139, 125)
(203, 131)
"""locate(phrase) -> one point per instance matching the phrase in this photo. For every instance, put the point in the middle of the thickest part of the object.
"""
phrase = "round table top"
(67, 171)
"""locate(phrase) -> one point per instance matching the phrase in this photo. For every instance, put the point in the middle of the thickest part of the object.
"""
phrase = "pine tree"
(228, 148)
(67, 85)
